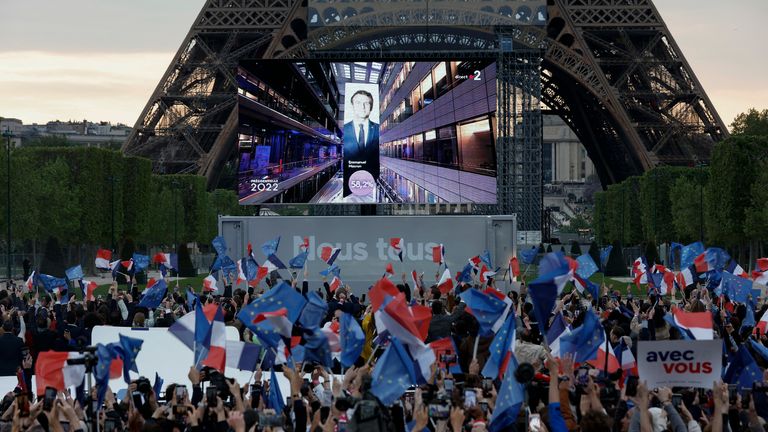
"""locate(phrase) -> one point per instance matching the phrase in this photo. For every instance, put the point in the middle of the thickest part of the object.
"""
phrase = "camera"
(448, 358)
(143, 385)
(211, 395)
(50, 398)
(439, 410)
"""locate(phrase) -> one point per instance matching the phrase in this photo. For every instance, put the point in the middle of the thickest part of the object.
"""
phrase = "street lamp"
(7, 134)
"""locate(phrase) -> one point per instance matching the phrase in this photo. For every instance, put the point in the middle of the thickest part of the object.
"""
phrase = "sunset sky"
(101, 59)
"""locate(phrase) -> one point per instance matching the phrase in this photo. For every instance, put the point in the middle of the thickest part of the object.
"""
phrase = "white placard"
(680, 363)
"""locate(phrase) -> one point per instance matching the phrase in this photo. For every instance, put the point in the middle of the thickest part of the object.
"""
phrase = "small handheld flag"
(397, 244)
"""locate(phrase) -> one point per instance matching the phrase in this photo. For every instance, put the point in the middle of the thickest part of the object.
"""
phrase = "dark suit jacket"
(357, 151)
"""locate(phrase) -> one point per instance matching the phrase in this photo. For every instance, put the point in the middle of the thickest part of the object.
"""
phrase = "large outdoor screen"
(323, 132)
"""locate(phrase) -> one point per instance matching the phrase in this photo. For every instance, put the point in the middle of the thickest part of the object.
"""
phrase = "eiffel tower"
(609, 68)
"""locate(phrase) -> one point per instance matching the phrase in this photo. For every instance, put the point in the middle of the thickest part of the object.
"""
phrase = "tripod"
(89, 360)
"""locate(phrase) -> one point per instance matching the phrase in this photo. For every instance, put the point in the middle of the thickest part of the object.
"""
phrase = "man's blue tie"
(361, 137)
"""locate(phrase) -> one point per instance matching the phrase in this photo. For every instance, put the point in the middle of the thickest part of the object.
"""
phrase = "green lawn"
(196, 282)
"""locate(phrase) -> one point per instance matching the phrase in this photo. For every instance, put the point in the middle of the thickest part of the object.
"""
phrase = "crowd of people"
(558, 395)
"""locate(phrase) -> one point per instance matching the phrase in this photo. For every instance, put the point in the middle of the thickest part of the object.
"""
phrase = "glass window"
(477, 149)
(441, 79)
(430, 135)
(426, 90)
(416, 99)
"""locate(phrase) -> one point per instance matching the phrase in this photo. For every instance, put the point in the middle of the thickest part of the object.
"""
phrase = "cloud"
(39, 86)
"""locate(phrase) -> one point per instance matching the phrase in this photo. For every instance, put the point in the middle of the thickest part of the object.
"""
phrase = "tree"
(685, 197)
(756, 224)
(53, 260)
(186, 269)
(615, 265)
(733, 172)
(752, 122)
(594, 253)
(49, 141)
(575, 248)
(651, 253)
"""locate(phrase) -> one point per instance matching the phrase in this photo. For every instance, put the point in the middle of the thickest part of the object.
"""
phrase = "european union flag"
(393, 374)
(140, 262)
(605, 253)
(528, 256)
(466, 274)
(717, 258)
(270, 247)
(735, 287)
(129, 349)
(275, 399)
(502, 348)
(587, 266)
(154, 295)
(50, 283)
(219, 245)
(486, 258)
(352, 339)
(331, 271)
(316, 349)
(749, 319)
(299, 260)
(223, 262)
(760, 349)
(250, 267)
(314, 311)
(742, 369)
(584, 341)
(158, 386)
(509, 401)
(487, 309)
(104, 354)
(280, 296)
(543, 295)
(74, 273)
(192, 300)
(689, 253)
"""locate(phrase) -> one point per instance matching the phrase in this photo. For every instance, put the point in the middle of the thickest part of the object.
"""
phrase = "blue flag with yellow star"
(502, 349)
(487, 309)
(585, 340)
(352, 339)
(275, 399)
(129, 349)
(393, 373)
(742, 369)
(509, 401)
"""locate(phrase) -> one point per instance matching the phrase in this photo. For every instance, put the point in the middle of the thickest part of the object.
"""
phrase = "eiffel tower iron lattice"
(610, 68)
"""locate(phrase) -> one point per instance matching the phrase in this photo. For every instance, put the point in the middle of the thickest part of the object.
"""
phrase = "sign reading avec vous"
(680, 363)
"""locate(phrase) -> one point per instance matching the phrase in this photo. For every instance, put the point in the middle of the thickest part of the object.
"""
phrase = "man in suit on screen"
(361, 139)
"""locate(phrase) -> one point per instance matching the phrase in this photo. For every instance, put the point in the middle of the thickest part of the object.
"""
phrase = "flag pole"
(605, 369)
(474, 350)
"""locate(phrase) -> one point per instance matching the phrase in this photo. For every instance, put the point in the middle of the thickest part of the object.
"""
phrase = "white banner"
(680, 363)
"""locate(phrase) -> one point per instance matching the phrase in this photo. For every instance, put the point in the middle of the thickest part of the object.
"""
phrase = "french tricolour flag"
(184, 330)
(685, 278)
(514, 269)
(697, 324)
(600, 363)
(445, 284)
(329, 254)
(242, 355)
(209, 284)
(475, 261)
(52, 370)
(30, 282)
(397, 318)
(701, 263)
(762, 325)
(415, 279)
(240, 273)
(88, 288)
(335, 284)
(438, 254)
(397, 244)
(102, 259)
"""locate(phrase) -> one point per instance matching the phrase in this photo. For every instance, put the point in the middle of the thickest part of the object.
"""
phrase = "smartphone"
(746, 397)
(484, 407)
(677, 400)
(138, 399)
(448, 384)
(438, 411)
(487, 385)
(22, 402)
(181, 393)
(470, 398)
(732, 392)
(534, 422)
(50, 398)
(582, 376)
(211, 393)
(632, 382)
(341, 426)
(448, 358)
